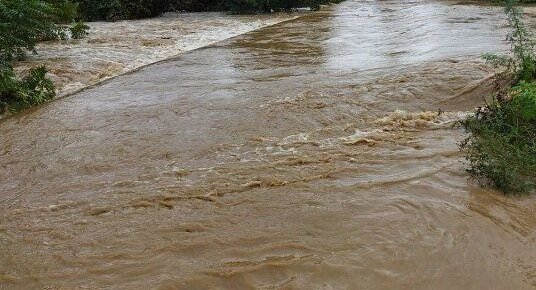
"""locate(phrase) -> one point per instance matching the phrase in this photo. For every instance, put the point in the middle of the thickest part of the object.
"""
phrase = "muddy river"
(318, 153)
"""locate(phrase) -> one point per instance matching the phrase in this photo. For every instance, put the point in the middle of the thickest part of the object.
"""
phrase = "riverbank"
(115, 48)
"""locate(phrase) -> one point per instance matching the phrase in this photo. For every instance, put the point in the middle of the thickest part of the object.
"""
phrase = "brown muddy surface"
(314, 154)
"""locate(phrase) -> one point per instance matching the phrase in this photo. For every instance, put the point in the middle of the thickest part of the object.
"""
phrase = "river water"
(318, 153)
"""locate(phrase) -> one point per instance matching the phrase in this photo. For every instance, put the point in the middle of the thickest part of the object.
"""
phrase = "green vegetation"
(501, 148)
(133, 9)
(79, 30)
(122, 9)
(502, 144)
(23, 24)
(17, 94)
(522, 61)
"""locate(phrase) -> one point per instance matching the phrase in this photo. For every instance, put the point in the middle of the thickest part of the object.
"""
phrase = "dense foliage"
(79, 30)
(133, 9)
(122, 9)
(17, 94)
(502, 144)
(22, 24)
(501, 147)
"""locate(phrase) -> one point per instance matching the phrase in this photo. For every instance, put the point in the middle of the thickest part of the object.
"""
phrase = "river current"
(318, 153)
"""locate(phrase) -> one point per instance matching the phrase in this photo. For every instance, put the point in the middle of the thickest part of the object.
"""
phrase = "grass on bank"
(501, 147)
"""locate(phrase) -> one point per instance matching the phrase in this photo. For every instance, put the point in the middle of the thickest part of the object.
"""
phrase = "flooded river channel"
(318, 153)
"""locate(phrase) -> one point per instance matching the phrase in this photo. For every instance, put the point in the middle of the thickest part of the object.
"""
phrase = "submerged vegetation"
(501, 148)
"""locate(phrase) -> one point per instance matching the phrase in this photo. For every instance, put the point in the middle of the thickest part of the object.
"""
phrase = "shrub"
(122, 9)
(524, 101)
(79, 30)
(522, 61)
(502, 143)
(133, 9)
(65, 11)
(32, 90)
(501, 147)
(26, 22)
(23, 24)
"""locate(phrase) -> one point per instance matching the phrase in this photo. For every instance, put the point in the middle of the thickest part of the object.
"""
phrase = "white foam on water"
(76, 64)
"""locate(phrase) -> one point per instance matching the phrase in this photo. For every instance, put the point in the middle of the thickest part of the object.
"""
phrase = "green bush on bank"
(79, 30)
(501, 147)
(502, 142)
(21, 94)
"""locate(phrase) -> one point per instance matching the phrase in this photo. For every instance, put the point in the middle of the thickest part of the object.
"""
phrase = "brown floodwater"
(318, 153)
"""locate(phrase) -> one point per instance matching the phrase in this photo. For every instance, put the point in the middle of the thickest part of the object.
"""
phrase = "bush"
(502, 144)
(524, 101)
(23, 24)
(79, 30)
(522, 61)
(17, 95)
(133, 9)
(66, 11)
(26, 22)
(122, 9)
(501, 147)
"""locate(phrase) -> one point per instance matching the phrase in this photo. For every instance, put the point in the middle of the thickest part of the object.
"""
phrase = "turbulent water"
(115, 48)
(318, 153)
